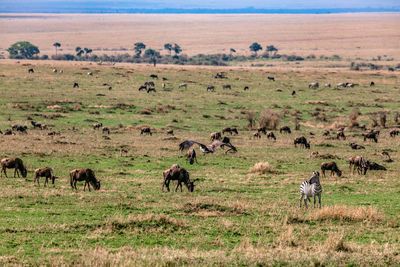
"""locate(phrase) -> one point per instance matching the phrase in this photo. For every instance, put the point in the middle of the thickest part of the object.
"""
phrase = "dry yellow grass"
(261, 168)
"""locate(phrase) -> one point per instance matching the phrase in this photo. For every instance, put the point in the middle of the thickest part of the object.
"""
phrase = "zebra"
(310, 189)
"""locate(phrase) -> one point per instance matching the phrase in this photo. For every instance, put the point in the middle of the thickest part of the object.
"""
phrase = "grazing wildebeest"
(229, 130)
(215, 136)
(31, 70)
(302, 141)
(393, 133)
(8, 132)
(355, 146)
(180, 175)
(191, 156)
(374, 166)
(123, 151)
(285, 129)
(311, 188)
(44, 172)
(328, 85)
(97, 125)
(294, 92)
(271, 78)
(149, 84)
(171, 132)
(87, 175)
(164, 79)
(256, 135)
(211, 88)
(340, 135)
(90, 74)
(142, 87)
(359, 163)
(350, 85)
(371, 135)
(331, 166)
(313, 85)
(262, 130)
(76, 85)
(36, 124)
(20, 128)
(226, 86)
(271, 135)
(13, 163)
(326, 133)
(246, 88)
(151, 89)
(154, 76)
(220, 75)
(106, 130)
(182, 85)
(371, 84)
(55, 70)
(146, 130)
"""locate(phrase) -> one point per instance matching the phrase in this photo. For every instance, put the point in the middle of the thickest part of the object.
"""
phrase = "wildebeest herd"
(310, 188)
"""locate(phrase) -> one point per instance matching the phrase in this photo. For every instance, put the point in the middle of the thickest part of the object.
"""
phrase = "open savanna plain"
(234, 216)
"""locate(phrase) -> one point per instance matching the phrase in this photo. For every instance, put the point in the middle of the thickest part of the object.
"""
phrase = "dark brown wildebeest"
(302, 141)
(285, 129)
(230, 130)
(191, 156)
(271, 78)
(226, 140)
(215, 136)
(331, 166)
(340, 135)
(97, 125)
(371, 135)
(180, 175)
(262, 130)
(182, 85)
(355, 146)
(36, 125)
(76, 85)
(106, 130)
(151, 89)
(271, 135)
(154, 76)
(246, 88)
(373, 166)
(20, 128)
(393, 133)
(87, 175)
(256, 135)
(220, 75)
(211, 88)
(149, 84)
(142, 87)
(31, 70)
(8, 132)
(326, 133)
(226, 86)
(171, 132)
(371, 84)
(164, 79)
(44, 172)
(293, 92)
(146, 130)
(13, 163)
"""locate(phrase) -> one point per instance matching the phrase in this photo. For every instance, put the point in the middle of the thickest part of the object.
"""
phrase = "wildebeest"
(271, 78)
(151, 89)
(55, 70)
(371, 84)
(90, 74)
(142, 87)
(371, 135)
(326, 133)
(146, 130)
(180, 175)
(313, 85)
(36, 125)
(20, 128)
(211, 88)
(76, 85)
(8, 132)
(374, 166)
(359, 163)
(229, 130)
(293, 92)
(262, 130)
(226, 140)
(191, 156)
(215, 136)
(256, 135)
(271, 135)
(87, 175)
(246, 88)
(355, 146)
(285, 129)
(149, 84)
(163, 85)
(182, 85)
(164, 79)
(328, 85)
(44, 172)
(171, 132)
(106, 130)
(302, 141)
(97, 125)
(331, 166)
(154, 76)
(13, 163)
(340, 134)
(31, 70)
(123, 151)
(220, 75)
(393, 133)
(226, 86)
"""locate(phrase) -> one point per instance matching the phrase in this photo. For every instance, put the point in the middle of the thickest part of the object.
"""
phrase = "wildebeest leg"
(76, 189)
(84, 187)
(88, 185)
(177, 186)
(46, 182)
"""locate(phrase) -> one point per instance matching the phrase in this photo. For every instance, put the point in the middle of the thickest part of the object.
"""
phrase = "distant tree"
(177, 49)
(168, 47)
(138, 48)
(153, 55)
(79, 51)
(56, 45)
(271, 49)
(232, 50)
(22, 50)
(87, 50)
(255, 47)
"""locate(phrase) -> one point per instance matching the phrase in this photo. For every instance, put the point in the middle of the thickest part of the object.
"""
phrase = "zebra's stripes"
(310, 189)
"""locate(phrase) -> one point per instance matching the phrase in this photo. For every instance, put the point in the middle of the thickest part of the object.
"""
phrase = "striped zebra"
(311, 188)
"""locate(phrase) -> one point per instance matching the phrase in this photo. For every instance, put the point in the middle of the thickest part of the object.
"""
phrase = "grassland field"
(233, 217)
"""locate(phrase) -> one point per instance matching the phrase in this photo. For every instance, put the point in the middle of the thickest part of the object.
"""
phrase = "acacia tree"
(79, 51)
(153, 55)
(87, 50)
(168, 47)
(255, 47)
(138, 48)
(21, 50)
(56, 45)
(177, 49)
(272, 49)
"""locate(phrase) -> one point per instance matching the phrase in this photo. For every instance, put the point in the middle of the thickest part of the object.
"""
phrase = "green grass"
(232, 217)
